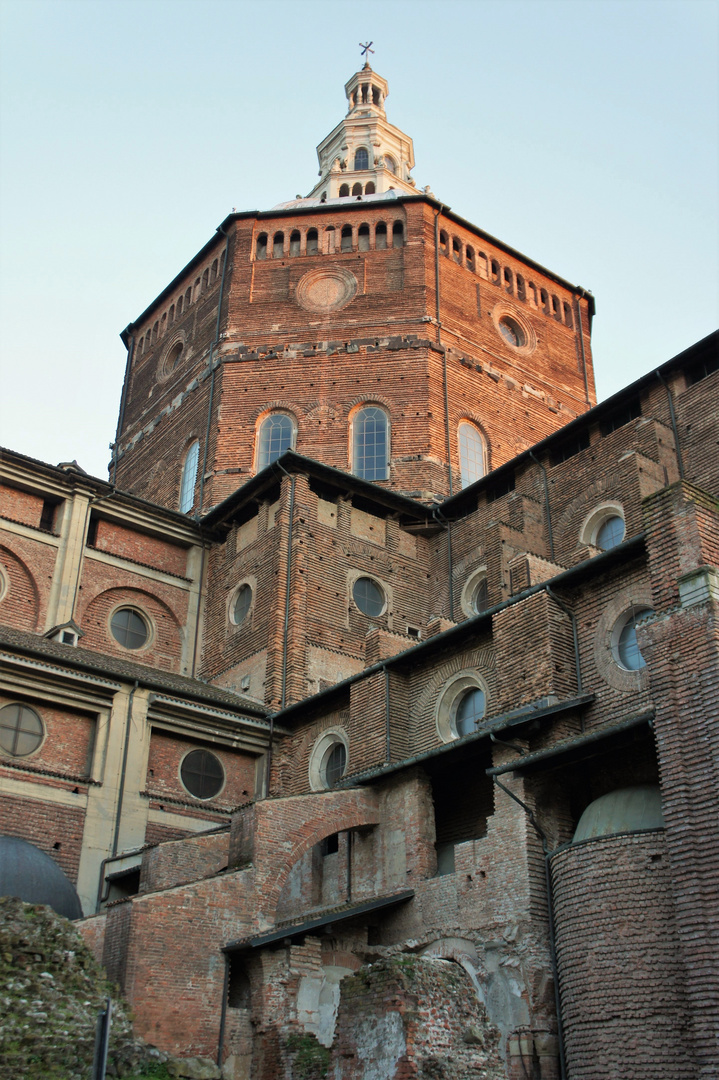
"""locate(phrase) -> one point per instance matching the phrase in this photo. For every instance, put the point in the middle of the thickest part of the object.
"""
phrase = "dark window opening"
(312, 246)
(295, 243)
(213, 272)
(361, 159)
(470, 257)
(508, 280)
(463, 801)
(544, 296)
(569, 447)
(456, 250)
(261, 246)
(701, 370)
(123, 884)
(278, 245)
(398, 234)
(47, 517)
(205, 279)
(521, 290)
(344, 191)
(620, 417)
(369, 188)
(346, 238)
(500, 487)
(496, 275)
(239, 989)
(356, 189)
(568, 318)
(92, 531)
(330, 845)
(363, 238)
(380, 236)
(444, 243)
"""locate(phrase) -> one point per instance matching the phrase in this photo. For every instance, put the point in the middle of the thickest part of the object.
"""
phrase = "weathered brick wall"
(105, 588)
(22, 506)
(409, 1017)
(24, 598)
(697, 419)
(177, 863)
(623, 1003)
(163, 773)
(53, 828)
(137, 547)
(93, 932)
(67, 741)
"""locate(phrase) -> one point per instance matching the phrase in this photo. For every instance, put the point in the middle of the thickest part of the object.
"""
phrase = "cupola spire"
(364, 154)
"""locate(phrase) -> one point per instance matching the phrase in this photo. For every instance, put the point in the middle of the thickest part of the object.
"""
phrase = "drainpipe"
(387, 714)
(550, 912)
(670, 399)
(223, 1010)
(212, 370)
(439, 342)
(288, 569)
(196, 642)
(546, 504)
(123, 769)
(123, 402)
(447, 525)
(581, 346)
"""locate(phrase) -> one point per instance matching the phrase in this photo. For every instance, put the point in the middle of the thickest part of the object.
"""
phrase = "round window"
(21, 730)
(334, 764)
(480, 599)
(173, 358)
(610, 533)
(368, 597)
(202, 774)
(627, 647)
(470, 710)
(242, 604)
(512, 332)
(129, 629)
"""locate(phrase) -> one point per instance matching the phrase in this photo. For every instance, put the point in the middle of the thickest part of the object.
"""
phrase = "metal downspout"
(199, 605)
(212, 371)
(387, 715)
(123, 402)
(286, 629)
(123, 769)
(223, 1010)
(439, 342)
(581, 346)
(670, 398)
(550, 913)
(547, 510)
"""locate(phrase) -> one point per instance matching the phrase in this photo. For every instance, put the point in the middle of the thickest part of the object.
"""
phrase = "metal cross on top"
(366, 48)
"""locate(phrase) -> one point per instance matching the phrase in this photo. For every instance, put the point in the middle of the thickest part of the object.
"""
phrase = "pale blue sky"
(586, 134)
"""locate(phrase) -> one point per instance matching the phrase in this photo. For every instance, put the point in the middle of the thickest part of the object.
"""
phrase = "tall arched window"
(189, 477)
(471, 454)
(391, 164)
(277, 434)
(370, 444)
(361, 159)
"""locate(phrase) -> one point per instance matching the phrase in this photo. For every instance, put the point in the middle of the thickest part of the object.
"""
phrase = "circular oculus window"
(627, 646)
(326, 290)
(610, 533)
(202, 774)
(334, 763)
(21, 730)
(512, 332)
(368, 597)
(242, 604)
(514, 328)
(129, 629)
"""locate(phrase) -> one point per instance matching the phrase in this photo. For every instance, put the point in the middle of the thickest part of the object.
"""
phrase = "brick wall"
(620, 970)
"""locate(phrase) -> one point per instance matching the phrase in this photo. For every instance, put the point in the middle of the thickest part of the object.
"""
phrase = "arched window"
(356, 189)
(277, 434)
(456, 250)
(545, 301)
(141, 346)
(370, 449)
(482, 264)
(508, 280)
(444, 243)
(205, 279)
(295, 243)
(171, 317)
(569, 321)
(391, 164)
(556, 308)
(363, 238)
(470, 257)
(398, 234)
(344, 191)
(188, 294)
(521, 290)
(330, 240)
(278, 245)
(179, 306)
(496, 278)
(361, 159)
(312, 242)
(346, 241)
(380, 236)
(471, 454)
(369, 188)
(189, 477)
(213, 272)
(261, 246)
